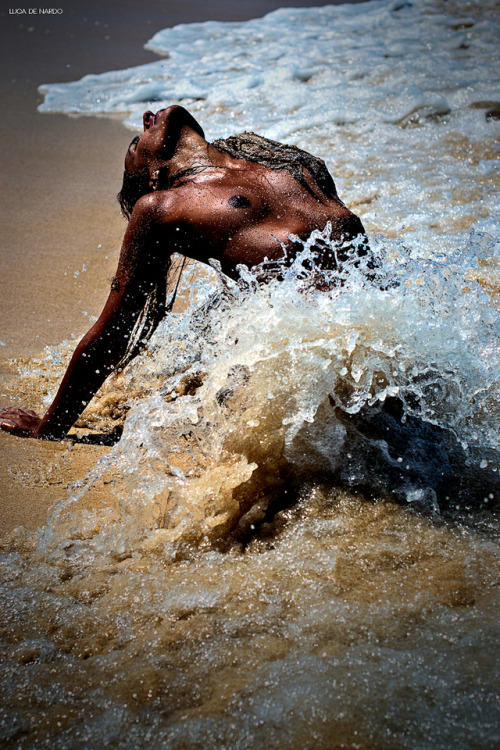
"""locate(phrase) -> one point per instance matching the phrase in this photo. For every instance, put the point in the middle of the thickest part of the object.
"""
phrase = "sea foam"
(393, 95)
(125, 619)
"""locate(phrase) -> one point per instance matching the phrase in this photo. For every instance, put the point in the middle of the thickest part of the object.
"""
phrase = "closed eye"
(134, 142)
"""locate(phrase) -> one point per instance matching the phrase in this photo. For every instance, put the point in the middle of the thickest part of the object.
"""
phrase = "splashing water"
(266, 388)
(223, 588)
(220, 578)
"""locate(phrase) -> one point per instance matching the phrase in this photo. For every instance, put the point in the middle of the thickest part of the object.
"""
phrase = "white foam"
(307, 632)
(398, 97)
(280, 373)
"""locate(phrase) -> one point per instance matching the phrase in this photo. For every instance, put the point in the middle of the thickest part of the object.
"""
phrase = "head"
(150, 158)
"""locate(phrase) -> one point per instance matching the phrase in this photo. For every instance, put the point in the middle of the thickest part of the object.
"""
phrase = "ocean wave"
(382, 380)
(392, 94)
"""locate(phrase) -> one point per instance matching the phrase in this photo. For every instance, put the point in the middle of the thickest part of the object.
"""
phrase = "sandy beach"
(61, 227)
(353, 605)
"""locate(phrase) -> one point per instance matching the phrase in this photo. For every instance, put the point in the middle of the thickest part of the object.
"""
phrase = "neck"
(194, 152)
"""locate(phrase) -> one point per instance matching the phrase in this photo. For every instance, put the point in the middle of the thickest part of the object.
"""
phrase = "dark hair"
(150, 317)
(134, 186)
(275, 155)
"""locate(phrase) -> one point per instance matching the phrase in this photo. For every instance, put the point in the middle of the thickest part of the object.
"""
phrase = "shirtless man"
(227, 201)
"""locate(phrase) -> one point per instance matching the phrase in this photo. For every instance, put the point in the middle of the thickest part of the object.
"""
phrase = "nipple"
(239, 201)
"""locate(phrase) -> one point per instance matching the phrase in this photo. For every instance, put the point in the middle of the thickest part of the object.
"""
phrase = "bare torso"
(241, 215)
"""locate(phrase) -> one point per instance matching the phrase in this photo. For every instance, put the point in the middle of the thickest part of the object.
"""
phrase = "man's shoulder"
(160, 207)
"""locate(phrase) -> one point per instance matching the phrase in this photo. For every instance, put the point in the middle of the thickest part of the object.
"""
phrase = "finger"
(13, 429)
(16, 411)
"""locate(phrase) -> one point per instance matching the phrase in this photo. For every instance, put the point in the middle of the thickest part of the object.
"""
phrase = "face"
(165, 134)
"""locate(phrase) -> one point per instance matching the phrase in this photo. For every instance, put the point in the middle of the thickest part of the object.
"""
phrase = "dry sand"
(59, 181)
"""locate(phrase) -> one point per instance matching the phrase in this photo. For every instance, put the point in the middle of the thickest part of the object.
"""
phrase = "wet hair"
(150, 317)
(154, 309)
(134, 186)
(278, 156)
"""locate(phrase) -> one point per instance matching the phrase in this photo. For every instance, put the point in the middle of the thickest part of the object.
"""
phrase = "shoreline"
(62, 173)
(62, 227)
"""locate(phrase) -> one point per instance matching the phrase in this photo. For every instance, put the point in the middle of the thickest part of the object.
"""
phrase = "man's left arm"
(103, 346)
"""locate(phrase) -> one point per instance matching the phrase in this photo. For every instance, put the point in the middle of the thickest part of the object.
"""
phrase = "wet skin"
(230, 210)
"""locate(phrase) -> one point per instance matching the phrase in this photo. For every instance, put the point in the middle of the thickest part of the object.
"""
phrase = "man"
(236, 201)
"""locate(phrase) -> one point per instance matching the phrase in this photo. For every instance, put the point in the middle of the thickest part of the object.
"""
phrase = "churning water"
(295, 541)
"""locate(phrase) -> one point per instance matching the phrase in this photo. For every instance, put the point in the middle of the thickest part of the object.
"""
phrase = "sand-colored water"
(340, 622)
(61, 227)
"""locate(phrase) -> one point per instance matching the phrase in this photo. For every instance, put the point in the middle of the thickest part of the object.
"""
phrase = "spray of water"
(381, 377)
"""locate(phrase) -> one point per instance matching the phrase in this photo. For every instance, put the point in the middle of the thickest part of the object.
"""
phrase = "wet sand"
(61, 227)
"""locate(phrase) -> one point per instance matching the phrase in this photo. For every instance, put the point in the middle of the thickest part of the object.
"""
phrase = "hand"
(19, 421)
